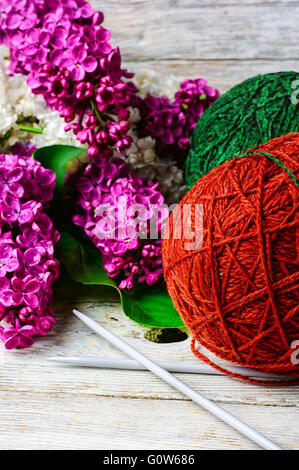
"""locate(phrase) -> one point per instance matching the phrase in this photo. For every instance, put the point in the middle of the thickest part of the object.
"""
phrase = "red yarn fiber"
(239, 292)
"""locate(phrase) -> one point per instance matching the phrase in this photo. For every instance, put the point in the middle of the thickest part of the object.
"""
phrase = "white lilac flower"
(148, 81)
(18, 103)
(146, 163)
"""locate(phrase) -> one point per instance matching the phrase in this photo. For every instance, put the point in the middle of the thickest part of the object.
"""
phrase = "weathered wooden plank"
(37, 421)
(23, 378)
(24, 369)
(185, 3)
(221, 74)
(153, 30)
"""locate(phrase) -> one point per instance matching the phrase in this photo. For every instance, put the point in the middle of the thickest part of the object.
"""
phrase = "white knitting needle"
(178, 385)
(181, 367)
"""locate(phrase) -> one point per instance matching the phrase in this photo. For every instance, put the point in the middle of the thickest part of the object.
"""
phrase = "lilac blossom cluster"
(171, 122)
(65, 53)
(110, 199)
(27, 237)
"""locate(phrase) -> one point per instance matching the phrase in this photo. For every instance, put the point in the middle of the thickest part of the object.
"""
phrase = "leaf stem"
(34, 130)
(96, 111)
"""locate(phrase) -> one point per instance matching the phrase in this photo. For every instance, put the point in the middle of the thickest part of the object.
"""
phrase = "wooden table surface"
(45, 406)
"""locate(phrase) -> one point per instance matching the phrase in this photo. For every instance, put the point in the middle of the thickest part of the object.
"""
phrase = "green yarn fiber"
(251, 113)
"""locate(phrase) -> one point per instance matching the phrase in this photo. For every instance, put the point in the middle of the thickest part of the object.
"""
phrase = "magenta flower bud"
(115, 131)
(105, 97)
(105, 82)
(46, 69)
(102, 137)
(84, 136)
(123, 144)
(125, 126)
(97, 18)
(75, 127)
(123, 114)
(93, 150)
(57, 87)
(83, 90)
(90, 122)
(68, 113)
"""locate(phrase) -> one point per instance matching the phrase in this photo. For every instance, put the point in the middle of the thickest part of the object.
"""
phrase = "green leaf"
(56, 158)
(150, 306)
(82, 260)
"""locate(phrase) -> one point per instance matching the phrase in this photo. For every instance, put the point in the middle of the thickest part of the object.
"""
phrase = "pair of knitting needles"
(147, 364)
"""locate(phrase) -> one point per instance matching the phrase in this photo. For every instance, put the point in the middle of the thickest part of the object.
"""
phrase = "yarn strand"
(274, 159)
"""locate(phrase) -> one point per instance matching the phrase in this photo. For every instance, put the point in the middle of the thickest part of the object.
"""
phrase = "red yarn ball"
(238, 292)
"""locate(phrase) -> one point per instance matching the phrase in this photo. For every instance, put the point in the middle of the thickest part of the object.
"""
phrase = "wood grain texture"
(223, 41)
(41, 421)
(164, 30)
(46, 406)
(51, 406)
(221, 74)
(24, 368)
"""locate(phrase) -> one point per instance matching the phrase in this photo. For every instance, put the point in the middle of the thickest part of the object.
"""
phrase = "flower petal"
(31, 300)
(32, 256)
(78, 73)
(16, 174)
(6, 298)
(4, 283)
(26, 215)
(27, 330)
(79, 53)
(5, 251)
(17, 298)
(25, 341)
(32, 286)
(13, 21)
(90, 64)
(12, 264)
(12, 342)
(17, 284)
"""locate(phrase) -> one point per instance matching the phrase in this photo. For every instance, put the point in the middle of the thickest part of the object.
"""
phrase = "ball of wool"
(251, 113)
(238, 290)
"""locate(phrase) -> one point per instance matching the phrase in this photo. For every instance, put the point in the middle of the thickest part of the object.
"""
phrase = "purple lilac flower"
(13, 210)
(9, 181)
(106, 210)
(22, 150)
(172, 122)
(18, 337)
(27, 237)
(80, 63)
(66, 55)
(24, 291)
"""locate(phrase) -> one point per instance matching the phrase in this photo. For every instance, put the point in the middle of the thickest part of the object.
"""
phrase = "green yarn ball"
(251, 113)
